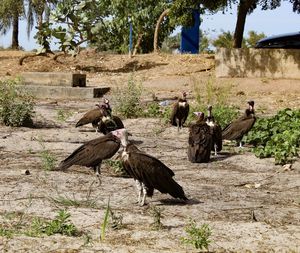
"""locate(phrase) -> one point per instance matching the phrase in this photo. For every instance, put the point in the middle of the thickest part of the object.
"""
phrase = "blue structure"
(190, 36)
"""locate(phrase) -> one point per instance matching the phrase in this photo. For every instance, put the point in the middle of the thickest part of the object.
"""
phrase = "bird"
(94, 151)
(241, 126)
(94, 116)
(200, 140)
(110, 123)
(149, 173)
(180, 111)
(216, 131)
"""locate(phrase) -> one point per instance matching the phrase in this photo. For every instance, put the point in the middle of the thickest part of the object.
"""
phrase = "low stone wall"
(250, 62)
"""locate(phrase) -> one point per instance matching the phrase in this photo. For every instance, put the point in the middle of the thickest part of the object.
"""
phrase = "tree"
(10, 12)
(253, 37)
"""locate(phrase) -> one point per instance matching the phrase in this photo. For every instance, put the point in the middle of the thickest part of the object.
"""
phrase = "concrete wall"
(250, 62)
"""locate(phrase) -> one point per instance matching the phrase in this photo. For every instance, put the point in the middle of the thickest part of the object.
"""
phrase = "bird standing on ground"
(111, 123)
(241, 126)
(94, 116)
(216, 131)
(149, 173)
(180, 111)
(200, 140)
(94, 151)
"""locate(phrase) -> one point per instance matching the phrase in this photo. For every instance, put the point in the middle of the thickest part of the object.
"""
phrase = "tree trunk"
(15, 31)
(137, 44)
(159, 21)
(243, 9)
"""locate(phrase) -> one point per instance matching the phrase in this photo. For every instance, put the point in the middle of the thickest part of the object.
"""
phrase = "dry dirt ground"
(250, 204)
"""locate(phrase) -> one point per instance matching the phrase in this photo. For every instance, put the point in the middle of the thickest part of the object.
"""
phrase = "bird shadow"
(221, 156)
(172, 202)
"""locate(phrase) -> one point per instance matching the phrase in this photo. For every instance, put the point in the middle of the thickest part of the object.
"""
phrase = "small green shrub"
(277, 136)
(48, 160)
(6, 232)
(60, 225)
(207, 92)
(116, 166)
(128, 100)
(156, 214)
(63, 115)
(197, 236)
(16, 105)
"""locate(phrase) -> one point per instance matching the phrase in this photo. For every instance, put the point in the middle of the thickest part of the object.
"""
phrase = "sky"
(279, 21)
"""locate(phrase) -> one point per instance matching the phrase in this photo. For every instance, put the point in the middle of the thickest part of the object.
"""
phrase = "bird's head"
(122, 135)
(209, 107)
(251, 105)
(106, 101)
(199, 115)
(184, 94)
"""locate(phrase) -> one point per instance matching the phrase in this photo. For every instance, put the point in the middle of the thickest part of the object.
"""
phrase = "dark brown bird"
(200, 140)
(108, 124)
(111, 123)
(241, 126)
(216, 131)
(94, 151)
(180, 111)
(94, 116)
(149, 173)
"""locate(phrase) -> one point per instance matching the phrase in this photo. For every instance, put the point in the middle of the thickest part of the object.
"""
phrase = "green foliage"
(197, 236)
(156, 214)
(117, 167)
(6, 232)
(16, 105)
(277, 136)
(208, 92)
(253, 37)
(63, 115)
(105, 221)
(48, 160)
(225, 39)
(128, 100)
(60, 225)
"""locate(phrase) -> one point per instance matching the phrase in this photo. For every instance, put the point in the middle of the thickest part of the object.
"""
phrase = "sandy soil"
(250, 204)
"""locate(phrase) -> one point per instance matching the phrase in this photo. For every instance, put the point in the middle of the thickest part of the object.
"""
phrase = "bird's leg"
(215, 146)
(98, 172)
(241, 144)
(144, 192)
(139, 190)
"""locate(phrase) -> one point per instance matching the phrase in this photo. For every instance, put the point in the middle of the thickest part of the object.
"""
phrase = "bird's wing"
(238, 128)
(91, 116)
(92, 153)
(154, 174)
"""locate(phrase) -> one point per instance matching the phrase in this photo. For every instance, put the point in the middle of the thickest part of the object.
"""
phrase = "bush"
(277, 136)
(197, 236)
(128, 101)
(16, 105)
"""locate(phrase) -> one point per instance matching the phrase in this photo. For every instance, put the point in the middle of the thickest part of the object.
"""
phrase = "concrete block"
(66, 92)
(54, 79)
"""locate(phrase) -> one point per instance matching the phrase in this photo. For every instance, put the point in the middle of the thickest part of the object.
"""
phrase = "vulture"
(200, 140)
(111, 123)
(149, 173)
(94, 116)
(180, 111)
(216, 131)
(94, 151)
(241, 126)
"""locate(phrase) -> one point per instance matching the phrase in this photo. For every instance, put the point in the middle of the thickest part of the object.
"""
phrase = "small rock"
(26, 172)
(287, 167)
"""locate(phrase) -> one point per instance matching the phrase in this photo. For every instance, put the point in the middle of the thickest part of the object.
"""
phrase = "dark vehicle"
(289, 40)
